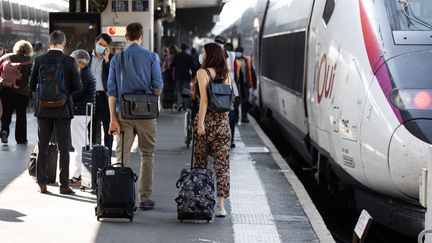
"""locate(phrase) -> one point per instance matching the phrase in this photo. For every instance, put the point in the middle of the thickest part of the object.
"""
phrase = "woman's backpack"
(220, 96)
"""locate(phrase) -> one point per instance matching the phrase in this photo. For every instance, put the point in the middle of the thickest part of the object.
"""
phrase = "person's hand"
(201, 130)
(107, 54)
(114, 127)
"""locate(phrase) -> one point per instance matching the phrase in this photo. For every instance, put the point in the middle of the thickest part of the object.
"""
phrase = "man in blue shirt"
(141, 74)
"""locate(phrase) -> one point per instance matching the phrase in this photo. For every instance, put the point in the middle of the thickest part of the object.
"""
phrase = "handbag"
(138, 105)
(220, 96)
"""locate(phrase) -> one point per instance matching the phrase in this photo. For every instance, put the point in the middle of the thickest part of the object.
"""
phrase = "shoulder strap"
(209, 74)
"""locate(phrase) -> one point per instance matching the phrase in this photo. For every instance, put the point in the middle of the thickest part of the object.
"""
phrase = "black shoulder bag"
(220, 96)
(137, 105)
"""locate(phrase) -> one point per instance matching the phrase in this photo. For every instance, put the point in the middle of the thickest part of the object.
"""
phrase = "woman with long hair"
(213, 134)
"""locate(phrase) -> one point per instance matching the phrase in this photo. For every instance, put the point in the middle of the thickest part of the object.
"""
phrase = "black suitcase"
(51, 163)
(116, 192)
(94, 158)
(196, 199)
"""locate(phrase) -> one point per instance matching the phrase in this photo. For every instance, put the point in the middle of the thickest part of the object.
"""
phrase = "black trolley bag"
(94, 157)
(196, 199)
(116, 191)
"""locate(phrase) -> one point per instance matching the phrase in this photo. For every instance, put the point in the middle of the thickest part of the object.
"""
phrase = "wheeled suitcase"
(51, 163)
(196, 199)
(116, 192)
(94, 157)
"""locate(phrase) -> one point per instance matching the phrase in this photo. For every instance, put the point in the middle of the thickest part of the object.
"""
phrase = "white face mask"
(99, 49)
(239, 54)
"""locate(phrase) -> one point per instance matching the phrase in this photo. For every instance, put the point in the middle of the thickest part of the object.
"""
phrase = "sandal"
(75, 180)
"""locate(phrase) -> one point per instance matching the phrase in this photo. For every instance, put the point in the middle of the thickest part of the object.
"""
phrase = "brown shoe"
(66, 190)
(43, 188)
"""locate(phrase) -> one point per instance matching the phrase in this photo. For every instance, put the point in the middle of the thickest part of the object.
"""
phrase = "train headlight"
(412, 99)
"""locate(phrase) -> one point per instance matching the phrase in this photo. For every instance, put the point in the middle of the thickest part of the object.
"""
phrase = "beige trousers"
(146, 132)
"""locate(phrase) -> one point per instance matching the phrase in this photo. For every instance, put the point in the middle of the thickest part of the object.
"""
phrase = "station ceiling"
(184, 4)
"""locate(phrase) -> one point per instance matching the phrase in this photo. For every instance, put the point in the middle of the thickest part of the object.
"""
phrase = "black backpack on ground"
(196, 199)
(51, 89)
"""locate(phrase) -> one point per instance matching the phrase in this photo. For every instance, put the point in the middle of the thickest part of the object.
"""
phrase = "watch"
(97, 6)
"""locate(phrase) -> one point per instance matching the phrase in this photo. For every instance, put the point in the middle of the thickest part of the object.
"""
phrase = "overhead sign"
(114, 30)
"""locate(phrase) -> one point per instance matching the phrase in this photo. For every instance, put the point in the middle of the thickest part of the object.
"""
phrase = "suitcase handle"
(90, 145)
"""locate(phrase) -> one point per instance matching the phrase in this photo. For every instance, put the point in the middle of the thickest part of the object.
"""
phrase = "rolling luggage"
(116, 192)
(196, 199)
(52, 162)
(94, 158)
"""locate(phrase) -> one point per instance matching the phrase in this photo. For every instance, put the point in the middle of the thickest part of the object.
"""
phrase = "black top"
(88, 94)
(183, 66)
(72, 83)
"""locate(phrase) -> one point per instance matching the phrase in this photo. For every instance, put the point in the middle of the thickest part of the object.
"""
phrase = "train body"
(27, 20)
(348, 81)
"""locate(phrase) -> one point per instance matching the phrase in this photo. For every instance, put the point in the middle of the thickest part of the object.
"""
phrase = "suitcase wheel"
(82, 189)
(97, 218)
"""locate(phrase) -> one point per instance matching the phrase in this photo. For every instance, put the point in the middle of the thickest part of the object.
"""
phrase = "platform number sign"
(140, 6)
(120, 6)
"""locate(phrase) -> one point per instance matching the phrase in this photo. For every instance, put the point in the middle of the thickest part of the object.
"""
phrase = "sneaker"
(147, 205)
(220, 212)
(4, 137)
(66, 190)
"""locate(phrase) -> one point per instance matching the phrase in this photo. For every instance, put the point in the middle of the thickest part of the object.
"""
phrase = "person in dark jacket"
(184, 69)
(100, 60)
(16, 98)
(80, 100)
(55, 118)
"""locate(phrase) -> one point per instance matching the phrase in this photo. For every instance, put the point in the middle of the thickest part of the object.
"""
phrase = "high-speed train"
(350, 84)
(27, 20)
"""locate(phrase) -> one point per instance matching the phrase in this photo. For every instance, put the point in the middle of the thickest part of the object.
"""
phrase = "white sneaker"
(220, 212)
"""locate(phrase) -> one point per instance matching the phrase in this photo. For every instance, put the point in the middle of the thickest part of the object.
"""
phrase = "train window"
(45, 16)
(15, 11)
(328, 10)
(283, 59)
(7, 15)
(31, 12)
(38, 15)
(24, 12)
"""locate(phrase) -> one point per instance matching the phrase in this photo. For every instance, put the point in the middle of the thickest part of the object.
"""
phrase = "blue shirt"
(141, 72)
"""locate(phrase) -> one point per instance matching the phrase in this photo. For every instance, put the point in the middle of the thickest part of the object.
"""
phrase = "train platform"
(267, 203)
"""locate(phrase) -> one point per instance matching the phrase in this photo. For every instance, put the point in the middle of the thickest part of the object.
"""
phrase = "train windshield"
(410, 15)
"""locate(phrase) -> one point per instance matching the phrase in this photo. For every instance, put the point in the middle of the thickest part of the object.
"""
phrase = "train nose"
(408, 154)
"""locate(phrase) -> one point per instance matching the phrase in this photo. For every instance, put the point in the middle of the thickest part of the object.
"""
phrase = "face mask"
(1, 52)
(200, 59)
(239, 54)
(99, 49)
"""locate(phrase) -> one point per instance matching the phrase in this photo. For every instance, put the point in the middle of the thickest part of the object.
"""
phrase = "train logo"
(326, 76)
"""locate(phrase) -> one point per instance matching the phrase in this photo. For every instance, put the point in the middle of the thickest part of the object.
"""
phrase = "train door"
(338, 90)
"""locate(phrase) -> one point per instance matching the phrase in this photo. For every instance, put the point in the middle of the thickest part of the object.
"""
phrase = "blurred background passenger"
(15, 91)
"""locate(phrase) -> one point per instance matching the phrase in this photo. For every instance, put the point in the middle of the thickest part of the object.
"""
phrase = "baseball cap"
(220, 40)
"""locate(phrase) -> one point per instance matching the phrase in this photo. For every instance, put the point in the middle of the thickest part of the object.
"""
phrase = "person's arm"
(203, 80)
(114, 127)
(33, 80)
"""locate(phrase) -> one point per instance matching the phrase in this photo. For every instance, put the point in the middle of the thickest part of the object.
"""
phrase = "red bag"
(11, 73)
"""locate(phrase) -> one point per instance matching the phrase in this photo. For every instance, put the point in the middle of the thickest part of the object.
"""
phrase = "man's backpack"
(12, 73)
(51, 89)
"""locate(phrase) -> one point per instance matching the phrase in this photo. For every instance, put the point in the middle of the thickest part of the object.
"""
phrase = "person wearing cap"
(183, 67)
(80, 100)
(231, 64)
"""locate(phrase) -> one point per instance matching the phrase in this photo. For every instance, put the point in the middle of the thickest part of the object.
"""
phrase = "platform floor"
(267, 203)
